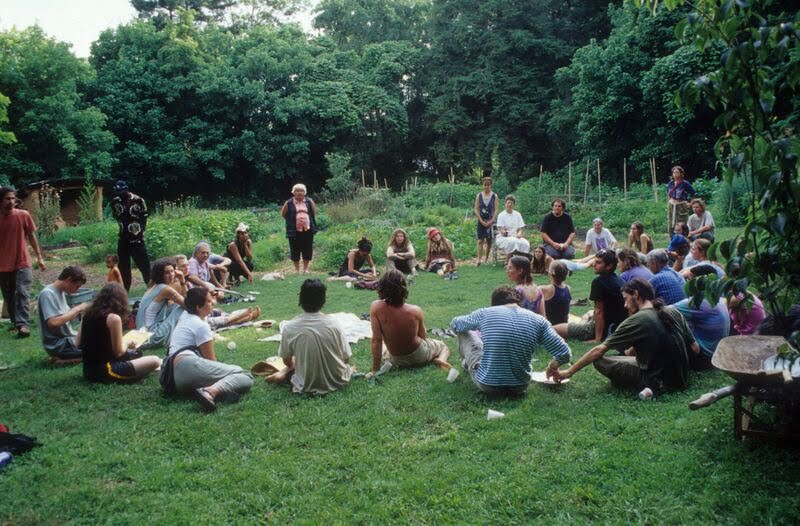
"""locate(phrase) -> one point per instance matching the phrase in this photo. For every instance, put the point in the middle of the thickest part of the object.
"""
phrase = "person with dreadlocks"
(398, 328)
(655, 339)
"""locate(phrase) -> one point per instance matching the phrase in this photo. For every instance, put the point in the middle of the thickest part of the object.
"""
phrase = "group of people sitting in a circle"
(643, 311)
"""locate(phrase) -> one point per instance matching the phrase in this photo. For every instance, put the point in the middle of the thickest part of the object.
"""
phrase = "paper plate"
(541, 378)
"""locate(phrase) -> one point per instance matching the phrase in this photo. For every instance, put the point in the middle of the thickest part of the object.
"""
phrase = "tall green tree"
(6, 137)
(58, 134)
(490, 76)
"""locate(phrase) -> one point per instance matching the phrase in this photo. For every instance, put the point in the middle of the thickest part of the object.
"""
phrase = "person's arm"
(54, 322)
(599, 320)
(587, 249)
(568, 242)
(179, 285)
(422, 331)
(391, 254)
(207, 350)
(540, 307)
(377, 337)
(313, 206)
(234, 251)
(373, 270)
(496, 209)
(470, 322)
(114, 324)
(521, 227)
(36, 249)
(195, 280)
(594, 354)
(285, 208)
(169, 294)
(410, 253)
(476, 209)
(451, 254)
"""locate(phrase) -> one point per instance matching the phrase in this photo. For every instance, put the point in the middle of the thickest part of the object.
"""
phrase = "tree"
(58, 134)
(6, 137)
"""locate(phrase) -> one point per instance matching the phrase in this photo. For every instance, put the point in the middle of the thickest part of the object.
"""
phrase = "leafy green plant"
(48, 213)
(87, 203)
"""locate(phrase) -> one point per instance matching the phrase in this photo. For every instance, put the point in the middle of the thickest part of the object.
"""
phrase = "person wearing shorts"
(300, 213)
(399, 328)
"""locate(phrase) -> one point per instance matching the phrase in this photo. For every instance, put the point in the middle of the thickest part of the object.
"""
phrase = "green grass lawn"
(409, 448)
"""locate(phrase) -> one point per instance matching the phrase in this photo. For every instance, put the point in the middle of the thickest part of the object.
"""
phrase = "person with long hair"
(656, 342)
(194, 365)
(240, 252)
(400, 253)
(300, 213)
(353, 269)
(518, 270)
(105, 357)
(557, 294)
(630, 264)
(540, 264)
(439, 256)
(702, 265)
(486, 212)
(399, 335)
(161, 305)
(638, 240)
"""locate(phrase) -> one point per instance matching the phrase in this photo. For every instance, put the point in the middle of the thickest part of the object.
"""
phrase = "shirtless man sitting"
(401, 327)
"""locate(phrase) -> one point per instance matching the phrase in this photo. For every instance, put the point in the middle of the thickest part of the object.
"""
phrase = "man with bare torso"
(398, 328)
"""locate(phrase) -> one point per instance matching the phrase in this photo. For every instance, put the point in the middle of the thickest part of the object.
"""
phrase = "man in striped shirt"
(499, 360)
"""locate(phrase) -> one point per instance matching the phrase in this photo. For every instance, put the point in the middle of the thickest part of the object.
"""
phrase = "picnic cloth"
(354, 328)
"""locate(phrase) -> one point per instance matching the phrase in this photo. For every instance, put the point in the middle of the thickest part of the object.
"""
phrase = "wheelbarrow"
(760, 378)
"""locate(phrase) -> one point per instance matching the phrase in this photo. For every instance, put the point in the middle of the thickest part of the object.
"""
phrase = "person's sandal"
(205, 399)
(23, 332)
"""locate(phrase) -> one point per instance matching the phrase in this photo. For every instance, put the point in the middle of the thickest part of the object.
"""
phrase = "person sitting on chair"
(558, 231)
(511, 229)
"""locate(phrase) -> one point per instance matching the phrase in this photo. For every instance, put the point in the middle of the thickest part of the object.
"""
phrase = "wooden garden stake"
(599, 188)
(624, 179)
(569, 184)
(586, 182)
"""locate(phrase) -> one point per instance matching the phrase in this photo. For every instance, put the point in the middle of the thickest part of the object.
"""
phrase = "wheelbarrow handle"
(709, 398)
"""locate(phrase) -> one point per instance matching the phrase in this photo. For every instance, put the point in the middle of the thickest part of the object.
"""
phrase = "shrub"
(49, 211)
(731, 201)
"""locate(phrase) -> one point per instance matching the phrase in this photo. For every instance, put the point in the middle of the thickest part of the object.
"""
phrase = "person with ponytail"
(655, 340)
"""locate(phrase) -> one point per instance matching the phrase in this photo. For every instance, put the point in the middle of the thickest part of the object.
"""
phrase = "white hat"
(242, 228)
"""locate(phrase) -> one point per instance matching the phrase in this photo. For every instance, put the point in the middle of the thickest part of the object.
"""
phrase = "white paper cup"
(494, 415)
(452, 375)
(349, 284)
(231, 346)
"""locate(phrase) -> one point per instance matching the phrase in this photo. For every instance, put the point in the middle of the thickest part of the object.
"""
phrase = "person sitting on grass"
(667, 283)
(218, 265)
(400, 253)
(709, 324)
(540, 263)
(240, 252)
(655, 341)
(105, 357)
(678, 251)
(200, 272)
(518, 270)
(511, 229)
(55, 315)
(630, 264)
(114, 275)
(609, 308)
(499, 359)
(439, 255)
(313, 347)
(700, 223)
(638, 240)
(352, 268)
(598, 238)
(399, 335)
(557, 295)
(703, 265)
(161, 305)
(194, 364)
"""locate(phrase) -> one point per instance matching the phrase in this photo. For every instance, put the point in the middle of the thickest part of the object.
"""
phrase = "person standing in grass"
(398, 329)
(499, 359)
(400, 253)
(558, 231)
(194, 365)
(114, 275)
(609, 308)
(313, 347)
(679, 191)
(16, 275)
(486, 212)
(656, 342)
(55, 315)
(300, 213)
(130, 211)
(105, 357)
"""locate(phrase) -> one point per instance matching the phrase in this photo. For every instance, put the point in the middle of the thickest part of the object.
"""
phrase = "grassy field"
(409, 448)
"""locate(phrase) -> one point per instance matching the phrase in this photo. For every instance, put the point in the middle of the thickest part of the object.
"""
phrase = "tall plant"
(87, 203)
(755, 88)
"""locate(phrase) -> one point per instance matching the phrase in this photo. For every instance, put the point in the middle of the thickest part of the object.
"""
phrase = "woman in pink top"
(300, 214)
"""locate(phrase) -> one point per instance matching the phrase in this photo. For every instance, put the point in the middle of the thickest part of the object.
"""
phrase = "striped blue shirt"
(510, 336)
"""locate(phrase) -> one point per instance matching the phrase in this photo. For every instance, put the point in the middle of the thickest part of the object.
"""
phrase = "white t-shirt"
(190, 330)
(511, 222)
(695, 222)
(605, 239)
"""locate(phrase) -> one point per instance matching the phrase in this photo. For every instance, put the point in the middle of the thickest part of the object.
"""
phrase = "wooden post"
(385, 184)
(541, 168)
(599, 186)
(98, 202)
(363, 181)
(586, 182)
(415, 181)
(569, 184)
(375, 179)
(653, 176)
(625, 179)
